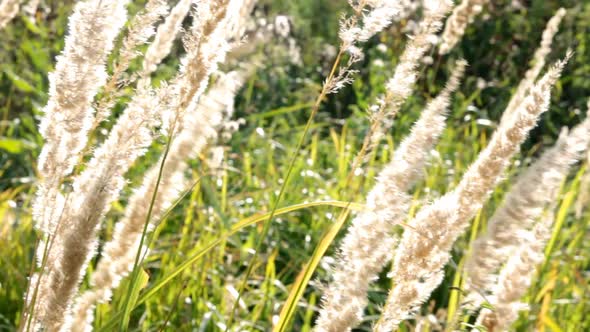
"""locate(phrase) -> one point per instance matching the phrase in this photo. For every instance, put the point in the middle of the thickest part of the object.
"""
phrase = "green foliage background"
(277, 99)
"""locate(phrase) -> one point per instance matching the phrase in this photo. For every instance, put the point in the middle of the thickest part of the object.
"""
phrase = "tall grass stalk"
(531, 194)
(67, 119)
(456, 24)
(206, 46)
(539, 61)
(518, 232)
(425, 248)
(369, 242)
(400, 86)
(353, 30)
(140, 30)
(199, 127)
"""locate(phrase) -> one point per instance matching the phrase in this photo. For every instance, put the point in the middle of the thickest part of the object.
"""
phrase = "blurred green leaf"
(14, 146)
(18, 82)
(32, 27)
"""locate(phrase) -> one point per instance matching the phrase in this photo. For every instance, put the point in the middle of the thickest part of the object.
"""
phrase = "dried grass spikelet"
(400, 86)
(539, 61)
(165, 36)
(534, 190)
(425, 248)
(140, 30)
(100, 183)
(206, 46)
(68, 115)
(8, 11)
(118, 256)
(456, 24)
(515, 279)
(367, 247)
(370, 17)
(93, 192)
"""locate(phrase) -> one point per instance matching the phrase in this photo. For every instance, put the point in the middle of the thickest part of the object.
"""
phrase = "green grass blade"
(203, 251)
(305, 275)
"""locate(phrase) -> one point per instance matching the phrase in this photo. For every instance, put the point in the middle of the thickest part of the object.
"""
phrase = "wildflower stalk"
(425, 249)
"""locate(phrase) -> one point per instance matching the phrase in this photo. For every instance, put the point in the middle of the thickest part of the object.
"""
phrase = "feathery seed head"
(425, 248)
(8, 11)
(456, 24)
(165, 36)
(539, 61)
(511, 225)
(369, 242)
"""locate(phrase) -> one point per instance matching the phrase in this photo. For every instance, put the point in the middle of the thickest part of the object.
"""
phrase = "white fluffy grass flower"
(456, 24)
(118, 256)
(165, 36)
(369, 242)
(103, 178)
(425, 248)
(534, 190)
(400, 86)
(517, 233)
(68, 116)
(539, 61)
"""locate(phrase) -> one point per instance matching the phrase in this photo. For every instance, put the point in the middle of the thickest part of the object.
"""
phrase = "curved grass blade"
(233, 230)
(305, 275)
